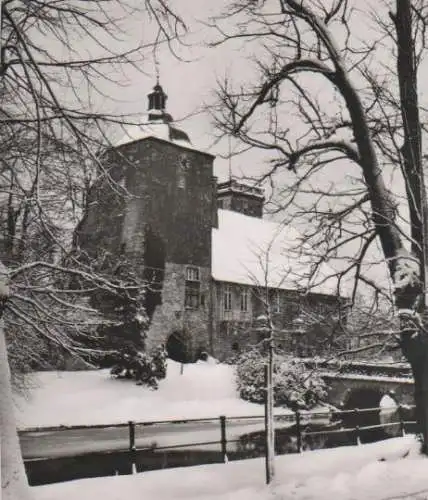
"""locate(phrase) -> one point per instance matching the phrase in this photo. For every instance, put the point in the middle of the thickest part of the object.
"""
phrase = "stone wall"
(236, 330)
(172, 315)
(157, 210)
(173, 195)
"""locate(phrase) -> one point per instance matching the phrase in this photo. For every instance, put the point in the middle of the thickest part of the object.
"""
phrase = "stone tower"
(162, 221)
(240, 197)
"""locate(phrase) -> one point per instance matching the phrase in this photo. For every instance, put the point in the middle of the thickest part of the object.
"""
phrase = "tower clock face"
(184, 162)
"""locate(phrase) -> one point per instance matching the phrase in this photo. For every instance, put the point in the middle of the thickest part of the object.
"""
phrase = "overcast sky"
(191, 80)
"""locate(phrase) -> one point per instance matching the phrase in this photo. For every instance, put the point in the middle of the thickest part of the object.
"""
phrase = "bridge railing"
(400, 370)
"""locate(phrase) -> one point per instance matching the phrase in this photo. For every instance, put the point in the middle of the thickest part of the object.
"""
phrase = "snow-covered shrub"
(146, 368)
(250, 376)
(294, 385)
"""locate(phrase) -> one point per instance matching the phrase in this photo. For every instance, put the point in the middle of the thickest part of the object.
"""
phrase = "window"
(182, 169)
(276, 302)
(192, 291)
(244, 299)
(181, 180)
(227, 298)
(219, 203)
(192, 273)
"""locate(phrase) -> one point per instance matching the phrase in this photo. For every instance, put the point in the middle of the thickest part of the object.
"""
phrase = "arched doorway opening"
(179, 347)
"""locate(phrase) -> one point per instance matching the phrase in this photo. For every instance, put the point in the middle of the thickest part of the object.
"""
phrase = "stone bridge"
(366, 391)
(362, 384)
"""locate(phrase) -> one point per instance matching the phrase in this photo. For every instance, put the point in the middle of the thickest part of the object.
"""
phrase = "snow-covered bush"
(146, 368)
(294, 385)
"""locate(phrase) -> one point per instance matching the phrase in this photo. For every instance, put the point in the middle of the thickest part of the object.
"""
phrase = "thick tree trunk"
(414, 338)
(415, 349)
(14, 482)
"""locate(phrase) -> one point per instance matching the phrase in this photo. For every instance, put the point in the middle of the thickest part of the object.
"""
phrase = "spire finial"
(156, 61)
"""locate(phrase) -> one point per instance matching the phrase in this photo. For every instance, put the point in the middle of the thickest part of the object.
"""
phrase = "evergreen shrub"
(294, 386)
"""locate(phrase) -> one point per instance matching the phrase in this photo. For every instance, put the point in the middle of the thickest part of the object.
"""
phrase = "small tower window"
(182, 169)
(192, 273)
(192, 291)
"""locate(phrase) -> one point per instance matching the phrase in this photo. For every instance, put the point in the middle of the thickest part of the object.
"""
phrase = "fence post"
(132, 451)
(400, 416)
(357, 427)
(223, 438)
(298, 431)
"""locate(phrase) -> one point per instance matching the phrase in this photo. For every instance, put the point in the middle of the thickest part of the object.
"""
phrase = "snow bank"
(204, 390)
(388, 469)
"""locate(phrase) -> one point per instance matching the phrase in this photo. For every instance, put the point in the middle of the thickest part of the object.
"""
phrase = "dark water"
(313, 436)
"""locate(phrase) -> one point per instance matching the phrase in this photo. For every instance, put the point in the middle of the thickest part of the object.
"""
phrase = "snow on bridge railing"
(399, 369)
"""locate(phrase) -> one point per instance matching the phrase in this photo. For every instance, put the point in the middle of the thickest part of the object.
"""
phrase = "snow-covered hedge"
(294, 385)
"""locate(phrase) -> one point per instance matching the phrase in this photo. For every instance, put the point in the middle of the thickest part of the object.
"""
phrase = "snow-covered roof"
(149, 127)
(252, 251)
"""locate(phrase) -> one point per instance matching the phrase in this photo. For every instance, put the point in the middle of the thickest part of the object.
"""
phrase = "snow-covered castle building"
(202, 245)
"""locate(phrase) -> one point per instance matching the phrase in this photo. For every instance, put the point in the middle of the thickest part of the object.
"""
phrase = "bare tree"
(59, 62)
(334, 99)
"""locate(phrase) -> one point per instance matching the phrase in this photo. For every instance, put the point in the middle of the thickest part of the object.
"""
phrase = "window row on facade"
(231, 297)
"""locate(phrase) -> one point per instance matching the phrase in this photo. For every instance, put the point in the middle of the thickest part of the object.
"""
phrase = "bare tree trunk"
(270, 428)
(14, 484)
(414, 337)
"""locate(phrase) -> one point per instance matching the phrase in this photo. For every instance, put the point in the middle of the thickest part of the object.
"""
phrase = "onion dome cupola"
(157, 114)
(157, 105)
(157, 123)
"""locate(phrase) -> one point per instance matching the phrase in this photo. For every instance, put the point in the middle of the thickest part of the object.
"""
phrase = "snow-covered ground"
(204, 390)
(390, 470)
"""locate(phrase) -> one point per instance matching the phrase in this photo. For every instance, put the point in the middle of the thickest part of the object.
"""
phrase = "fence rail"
(298, 420)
